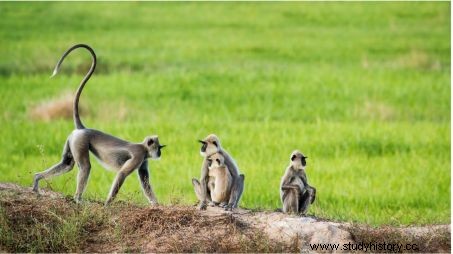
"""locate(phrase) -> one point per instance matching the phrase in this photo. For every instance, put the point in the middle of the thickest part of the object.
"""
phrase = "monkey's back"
(104, 147)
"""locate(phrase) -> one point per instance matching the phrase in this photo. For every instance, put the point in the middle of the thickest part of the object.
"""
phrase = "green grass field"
(363, 89)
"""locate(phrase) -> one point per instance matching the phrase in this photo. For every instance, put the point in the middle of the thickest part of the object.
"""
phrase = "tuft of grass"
(59, 108)
(36, 227)
(437, 240)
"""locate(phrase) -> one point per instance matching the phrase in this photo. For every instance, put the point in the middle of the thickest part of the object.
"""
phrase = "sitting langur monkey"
(220, 180)
(113, 153)
(295, 192)
(211, 145)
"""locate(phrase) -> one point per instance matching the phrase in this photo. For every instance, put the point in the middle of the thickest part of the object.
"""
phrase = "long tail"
(77, 121)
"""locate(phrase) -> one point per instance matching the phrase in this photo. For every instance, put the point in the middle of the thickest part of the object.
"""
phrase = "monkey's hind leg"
(236, 193)
(198, 187)
(65, 165)
(306, 199)
(313, 196)
(82, 157)
(291, 201)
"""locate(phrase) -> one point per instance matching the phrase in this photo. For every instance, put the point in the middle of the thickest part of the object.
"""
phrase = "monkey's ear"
(150, 141)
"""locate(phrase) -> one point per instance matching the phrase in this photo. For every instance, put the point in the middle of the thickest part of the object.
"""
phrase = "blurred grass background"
(363, 89)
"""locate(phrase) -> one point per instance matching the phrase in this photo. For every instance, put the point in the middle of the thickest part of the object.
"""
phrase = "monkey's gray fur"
(113, 153)
(211, 145)
(295, 192)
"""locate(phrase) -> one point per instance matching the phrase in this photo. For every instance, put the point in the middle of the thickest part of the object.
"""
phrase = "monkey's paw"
(229, 207)
(202, 206)
(78, 201)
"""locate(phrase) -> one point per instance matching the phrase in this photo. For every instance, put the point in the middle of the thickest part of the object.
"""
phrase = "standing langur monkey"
(113, 153)
(295, 192)
(211, 145)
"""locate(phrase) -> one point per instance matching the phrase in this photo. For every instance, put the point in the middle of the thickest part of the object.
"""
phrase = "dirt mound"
(50, 222)
(185, 229)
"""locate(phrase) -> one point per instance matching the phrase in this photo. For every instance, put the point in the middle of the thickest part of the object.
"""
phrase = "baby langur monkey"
(113, 153)
(211, 145)
(220, 180)
(295, 192)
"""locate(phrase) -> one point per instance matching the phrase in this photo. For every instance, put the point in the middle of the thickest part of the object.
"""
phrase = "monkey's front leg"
(127, 168)
(144, 180)
(205, 198)
(202, 187)
(117, 183)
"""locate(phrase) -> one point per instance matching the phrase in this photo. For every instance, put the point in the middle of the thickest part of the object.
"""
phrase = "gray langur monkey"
(211, 145)
(220, 180)
(113, 153)
(295, 192)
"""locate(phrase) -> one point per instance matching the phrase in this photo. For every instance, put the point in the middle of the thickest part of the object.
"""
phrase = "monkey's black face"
(203, 146)
(159, 150)
(302, 159)
(154, 147)
(208, 147)
(215, 161)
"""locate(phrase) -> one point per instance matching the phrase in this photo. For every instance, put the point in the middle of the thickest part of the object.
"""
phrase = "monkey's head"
(216, 160)
(153, 147)
(298, 160)
(210, 145)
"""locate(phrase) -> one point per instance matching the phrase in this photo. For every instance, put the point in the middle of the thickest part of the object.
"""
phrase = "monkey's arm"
(290, 187)
(286, 179)
(127, 168)
(286, 185)
(311, 189)
(286, 189)
(143, 174)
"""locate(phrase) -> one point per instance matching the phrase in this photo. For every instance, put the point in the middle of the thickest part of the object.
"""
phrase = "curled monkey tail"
(77, 121)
